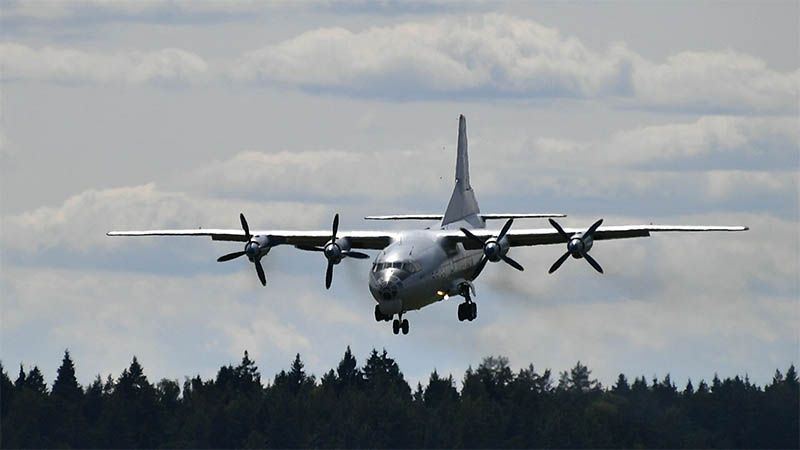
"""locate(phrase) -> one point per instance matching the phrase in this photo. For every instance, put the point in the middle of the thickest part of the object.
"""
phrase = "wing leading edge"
(483, 216)
(545, 236)
(370, 240)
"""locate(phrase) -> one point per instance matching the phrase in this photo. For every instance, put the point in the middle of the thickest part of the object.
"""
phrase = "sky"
(173, 114)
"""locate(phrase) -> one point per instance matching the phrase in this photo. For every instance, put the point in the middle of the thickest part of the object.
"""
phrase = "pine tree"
(579, 380)
(621, 387)
(791, 376)
(67, 398)
(296, 376)
(348, 372)
(35, 381)
(6, 392)
(689, 390)
(20, 381)
(66, 385)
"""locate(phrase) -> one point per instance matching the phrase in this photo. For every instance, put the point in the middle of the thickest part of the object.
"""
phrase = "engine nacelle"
(257, 247)
(495, 250)
(579, 244)
(335, 250)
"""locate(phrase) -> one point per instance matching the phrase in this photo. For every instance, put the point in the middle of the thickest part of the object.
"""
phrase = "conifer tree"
(66, 385)
(35, 381)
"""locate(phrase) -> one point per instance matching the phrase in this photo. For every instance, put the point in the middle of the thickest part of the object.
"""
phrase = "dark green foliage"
(373, 406)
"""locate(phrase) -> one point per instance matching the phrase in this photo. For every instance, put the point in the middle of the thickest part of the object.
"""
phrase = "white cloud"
(64, 65)
(716, 81)
(79, 224)
(492, 54)
(500, 56)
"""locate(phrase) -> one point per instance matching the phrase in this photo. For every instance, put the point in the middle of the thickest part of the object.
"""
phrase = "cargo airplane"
(416, 268)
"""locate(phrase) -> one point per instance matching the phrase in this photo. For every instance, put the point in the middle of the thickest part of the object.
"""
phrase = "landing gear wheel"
(378, 314)
(461, 315)
(404, 326)
(473, 311)
(396, 326)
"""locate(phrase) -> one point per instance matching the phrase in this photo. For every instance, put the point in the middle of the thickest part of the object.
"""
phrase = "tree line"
(374, 406)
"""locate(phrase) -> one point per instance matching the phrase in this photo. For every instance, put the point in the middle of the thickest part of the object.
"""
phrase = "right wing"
(370, 240)
(545, 236)
(441, 216)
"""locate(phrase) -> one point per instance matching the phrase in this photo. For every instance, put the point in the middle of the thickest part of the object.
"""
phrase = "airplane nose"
(388, 287)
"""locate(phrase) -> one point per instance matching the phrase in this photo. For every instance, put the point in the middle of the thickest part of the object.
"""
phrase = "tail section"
(463, 205)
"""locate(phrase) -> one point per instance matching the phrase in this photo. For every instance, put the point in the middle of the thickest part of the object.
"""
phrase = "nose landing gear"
(400, 324)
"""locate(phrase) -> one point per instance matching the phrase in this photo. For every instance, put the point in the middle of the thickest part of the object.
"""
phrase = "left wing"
(544, 236)
(371, 240)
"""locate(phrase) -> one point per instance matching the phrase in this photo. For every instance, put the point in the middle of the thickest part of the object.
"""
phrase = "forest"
(373, 406)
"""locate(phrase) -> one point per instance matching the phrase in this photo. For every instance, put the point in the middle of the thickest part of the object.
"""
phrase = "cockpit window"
(410, 267)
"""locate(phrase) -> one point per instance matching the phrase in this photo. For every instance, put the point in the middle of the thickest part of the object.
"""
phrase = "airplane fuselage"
(419, 269)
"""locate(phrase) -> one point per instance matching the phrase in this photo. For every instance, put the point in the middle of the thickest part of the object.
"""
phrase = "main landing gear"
(398, 324)
(467, 310)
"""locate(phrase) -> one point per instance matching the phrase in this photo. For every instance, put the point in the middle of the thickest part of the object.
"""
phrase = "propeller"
(252, 249)
(578, 245)
(494, 249)
(334, 252)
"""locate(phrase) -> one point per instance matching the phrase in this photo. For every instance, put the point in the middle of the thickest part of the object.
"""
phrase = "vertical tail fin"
(463, 205)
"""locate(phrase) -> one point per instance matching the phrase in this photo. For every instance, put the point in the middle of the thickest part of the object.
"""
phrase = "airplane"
(417, 268)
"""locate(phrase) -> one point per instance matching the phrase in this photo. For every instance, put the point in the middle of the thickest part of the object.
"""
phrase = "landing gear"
(467, 310)
(379, 316)
(399, 325)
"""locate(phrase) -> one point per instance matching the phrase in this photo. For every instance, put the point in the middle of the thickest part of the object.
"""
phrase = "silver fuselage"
(419, 269)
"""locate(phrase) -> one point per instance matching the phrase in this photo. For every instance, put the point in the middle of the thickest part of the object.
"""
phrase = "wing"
(483, 216)
(544, 236)
(371, 240)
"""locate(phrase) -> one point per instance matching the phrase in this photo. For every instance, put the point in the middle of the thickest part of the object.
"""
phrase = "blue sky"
(180, 114)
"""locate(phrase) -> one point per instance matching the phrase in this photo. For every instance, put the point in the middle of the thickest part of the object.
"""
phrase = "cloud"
(78, 226)
(63, 65)
(81, 12)
(322, 174)
(716, 81)
(106, 317)
(708, 143)
(493, 56)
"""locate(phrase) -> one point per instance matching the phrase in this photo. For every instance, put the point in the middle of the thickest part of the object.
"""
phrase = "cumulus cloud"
(65, 65)
(716, 81)
(493, 54)
(501, 56)
(79, 224)
(708, 143)
(717, 162)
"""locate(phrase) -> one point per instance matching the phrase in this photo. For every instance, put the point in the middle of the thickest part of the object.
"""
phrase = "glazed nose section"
(388, 286)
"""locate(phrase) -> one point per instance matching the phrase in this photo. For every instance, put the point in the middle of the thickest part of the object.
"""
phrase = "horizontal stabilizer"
(483, 216)
(520, 216)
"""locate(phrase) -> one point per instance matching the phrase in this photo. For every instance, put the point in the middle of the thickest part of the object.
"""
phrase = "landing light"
(440, 293)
